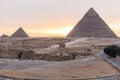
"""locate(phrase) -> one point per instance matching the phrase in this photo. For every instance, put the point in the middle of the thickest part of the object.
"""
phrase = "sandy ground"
(91, 67)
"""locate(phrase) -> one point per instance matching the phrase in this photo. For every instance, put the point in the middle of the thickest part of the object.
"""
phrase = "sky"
(44, 18)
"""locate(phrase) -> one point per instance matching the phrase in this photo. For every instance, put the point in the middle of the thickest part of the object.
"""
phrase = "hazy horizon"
(54, 17)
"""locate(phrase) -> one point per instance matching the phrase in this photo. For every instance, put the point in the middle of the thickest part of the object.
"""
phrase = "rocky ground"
(85, 65)
(9, 47)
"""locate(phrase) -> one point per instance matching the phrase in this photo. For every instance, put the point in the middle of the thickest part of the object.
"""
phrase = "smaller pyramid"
(4, 36)
(20, 33)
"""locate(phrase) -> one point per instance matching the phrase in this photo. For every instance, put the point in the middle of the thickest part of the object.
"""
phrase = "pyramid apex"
(91, 12)
(91, 8)
(20, 28)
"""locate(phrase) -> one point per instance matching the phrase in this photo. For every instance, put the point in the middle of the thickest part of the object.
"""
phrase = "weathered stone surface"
(28, 54)
(51, 57)
(12, 54)
(91, 25)
(57, 58)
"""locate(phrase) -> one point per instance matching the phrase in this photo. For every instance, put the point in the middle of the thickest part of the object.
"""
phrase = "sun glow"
(62, 32)
(116, 28)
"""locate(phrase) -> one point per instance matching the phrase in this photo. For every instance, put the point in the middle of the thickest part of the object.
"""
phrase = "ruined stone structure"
(4, 36)
(62, 48)
(92, 25)
(20, 33)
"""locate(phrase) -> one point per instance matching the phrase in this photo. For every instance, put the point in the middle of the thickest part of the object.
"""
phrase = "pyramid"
(20, 33)
(92, 25)
(4, 36)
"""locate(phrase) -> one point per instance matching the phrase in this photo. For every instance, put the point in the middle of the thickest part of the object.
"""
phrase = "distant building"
(4, 36)
(20, 33)
(92, 25)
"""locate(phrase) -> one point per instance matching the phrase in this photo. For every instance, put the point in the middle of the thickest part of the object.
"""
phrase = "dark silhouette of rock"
(20, 55)
(92, 25)
(20, 33)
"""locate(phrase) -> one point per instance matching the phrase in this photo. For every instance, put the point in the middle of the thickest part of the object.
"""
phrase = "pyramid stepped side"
(91, 25)
(20, 33)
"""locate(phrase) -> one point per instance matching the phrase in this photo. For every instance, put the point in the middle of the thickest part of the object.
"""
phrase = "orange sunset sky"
(54, 17)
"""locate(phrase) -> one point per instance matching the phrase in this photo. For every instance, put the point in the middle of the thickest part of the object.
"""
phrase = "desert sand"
(83, 67)
(90, 67)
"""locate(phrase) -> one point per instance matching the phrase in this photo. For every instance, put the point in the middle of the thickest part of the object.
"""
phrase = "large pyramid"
(91, 25)
(20, 33)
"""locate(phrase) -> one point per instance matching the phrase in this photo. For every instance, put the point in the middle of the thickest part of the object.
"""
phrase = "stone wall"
(12, 54)
(29, 54)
